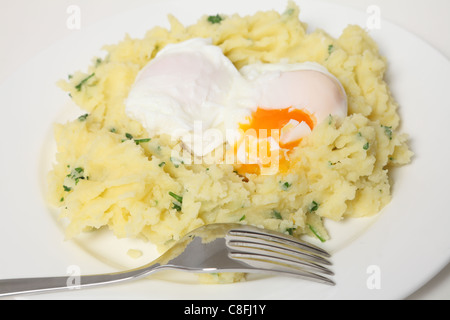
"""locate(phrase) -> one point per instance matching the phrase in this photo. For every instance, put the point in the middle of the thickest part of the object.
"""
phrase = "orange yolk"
(268, 123)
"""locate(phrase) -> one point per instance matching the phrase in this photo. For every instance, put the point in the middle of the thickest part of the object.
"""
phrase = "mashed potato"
(110, 173)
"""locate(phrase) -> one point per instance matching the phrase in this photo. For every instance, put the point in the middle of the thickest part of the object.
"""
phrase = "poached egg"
(193, 92)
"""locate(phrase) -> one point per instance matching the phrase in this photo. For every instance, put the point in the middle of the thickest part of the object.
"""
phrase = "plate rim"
(437, 268)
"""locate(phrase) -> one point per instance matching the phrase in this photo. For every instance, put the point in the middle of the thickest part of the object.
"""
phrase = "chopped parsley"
(67, 189)
(242, 218)
(366, 146)
(77, 174)
(289, 11)
(277, 215)
(285, 185)
(333, 163)
(80, 85)
(179, 201)
(388, 131)
(129, 136)
(83, 117)
(330, 48)
(313, 206)
(314, 231)
(162, 164)
(215, 19)
(176, 197)
(176, 162)
(330, 119)
(290, 231)
(139, 141)
(176, 206)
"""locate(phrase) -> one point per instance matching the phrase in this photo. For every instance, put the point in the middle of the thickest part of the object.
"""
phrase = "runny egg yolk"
(267, 138)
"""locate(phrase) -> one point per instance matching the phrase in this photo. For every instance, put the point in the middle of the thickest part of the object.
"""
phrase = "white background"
(30, 26)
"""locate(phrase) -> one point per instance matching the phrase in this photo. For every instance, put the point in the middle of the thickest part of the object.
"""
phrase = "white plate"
(406, 245)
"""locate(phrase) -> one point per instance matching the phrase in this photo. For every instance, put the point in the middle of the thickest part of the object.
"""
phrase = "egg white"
(188, 88)
(283, 85)
(192, 92)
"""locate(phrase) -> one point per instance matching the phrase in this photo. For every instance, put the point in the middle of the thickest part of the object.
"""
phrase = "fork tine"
(275, 237)
(260, 264)
(275, 258)
(274, 249)
(277, 253)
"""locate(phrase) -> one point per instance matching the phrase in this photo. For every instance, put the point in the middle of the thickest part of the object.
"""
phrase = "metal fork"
(214, 248)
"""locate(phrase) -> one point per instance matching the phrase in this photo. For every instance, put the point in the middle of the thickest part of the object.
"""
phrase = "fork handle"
(10, 287)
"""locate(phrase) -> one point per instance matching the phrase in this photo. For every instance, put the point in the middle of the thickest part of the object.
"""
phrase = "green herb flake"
(176, 197)
(80, 85)
(388, 131)
(83, 117)
(366, 146)
(289, 11)
(176, 206)
(285, 185)
(330, 49)
(162, 164)
(139, 141)
(128, 136)
(313, 206)
(314, 231)
(176, 162)
(67, 189)
(62, 199)
(290, 231)
(277, 215)
(330, 119)
(242, 218)
(77, 174)
(215, 19)
(79, 170)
